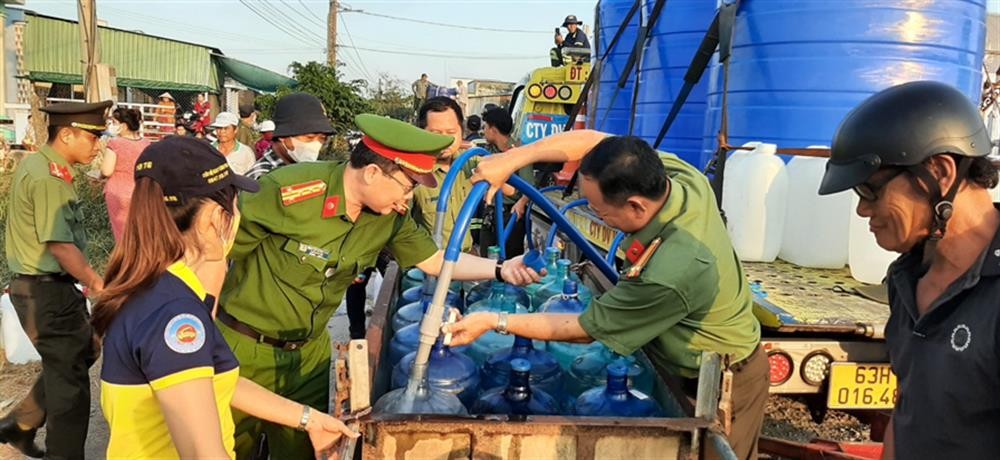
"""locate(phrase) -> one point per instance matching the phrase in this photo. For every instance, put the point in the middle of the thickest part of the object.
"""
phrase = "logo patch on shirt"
(961, 337)
(61, 172)
(184, 333)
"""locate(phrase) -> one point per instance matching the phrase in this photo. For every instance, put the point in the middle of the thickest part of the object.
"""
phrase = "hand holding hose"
(495, 169)
(515, 272)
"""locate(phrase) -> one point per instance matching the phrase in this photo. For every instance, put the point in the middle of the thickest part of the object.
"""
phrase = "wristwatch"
(306, 410)
(502, 323)
(498, 272)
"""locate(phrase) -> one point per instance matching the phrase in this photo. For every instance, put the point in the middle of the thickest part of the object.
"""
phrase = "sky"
(520, 42)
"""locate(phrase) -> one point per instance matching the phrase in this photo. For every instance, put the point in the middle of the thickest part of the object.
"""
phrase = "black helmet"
(903, 126)
(571, 19)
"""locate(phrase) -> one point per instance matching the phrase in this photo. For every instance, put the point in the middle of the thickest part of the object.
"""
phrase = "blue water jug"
(483, 290)
(551, 256)
(447, 370)
(567, 302)
(589, 370)
(406, 340)
(518, 397)
(413, 312)
(498, 300)
(555, 285)
(546, 374)
(616, 399)
(411, 279)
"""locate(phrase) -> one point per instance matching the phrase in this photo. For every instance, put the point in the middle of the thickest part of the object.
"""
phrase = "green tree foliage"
(342, 99)
(392, 98)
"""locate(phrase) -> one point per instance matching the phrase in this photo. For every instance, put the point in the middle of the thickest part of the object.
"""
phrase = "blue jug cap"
(617, 369)
(569, 287)
(520, 365)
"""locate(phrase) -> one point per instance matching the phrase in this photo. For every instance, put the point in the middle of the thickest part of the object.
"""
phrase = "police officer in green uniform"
(682, 290)
(303, 239)
(44, 245)
(442, 115)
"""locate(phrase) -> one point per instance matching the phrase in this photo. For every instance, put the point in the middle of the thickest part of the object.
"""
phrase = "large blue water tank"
(673, 42)
(611, 113)
(799, 66)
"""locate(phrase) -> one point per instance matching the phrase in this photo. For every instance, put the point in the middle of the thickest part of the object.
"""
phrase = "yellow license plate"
(861, 386)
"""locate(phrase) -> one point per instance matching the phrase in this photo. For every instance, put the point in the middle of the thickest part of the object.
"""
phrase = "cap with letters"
(186, 167)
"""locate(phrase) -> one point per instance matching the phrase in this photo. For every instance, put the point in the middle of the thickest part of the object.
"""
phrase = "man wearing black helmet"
(575, 38)
(916, 156)
(301, 128)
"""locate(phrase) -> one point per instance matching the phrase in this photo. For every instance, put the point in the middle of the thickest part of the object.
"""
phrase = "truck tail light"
(815, 368)
(781, 367)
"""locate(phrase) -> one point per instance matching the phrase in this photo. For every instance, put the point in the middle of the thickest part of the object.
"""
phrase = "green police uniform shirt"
(692, 295)
(43, 207)
(425, 202)
(296, 251)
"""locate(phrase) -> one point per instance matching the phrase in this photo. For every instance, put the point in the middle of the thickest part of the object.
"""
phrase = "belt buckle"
(293, 345)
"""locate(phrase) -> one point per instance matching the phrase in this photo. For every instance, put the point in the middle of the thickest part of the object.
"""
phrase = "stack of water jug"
(511, 375)
(774, 210)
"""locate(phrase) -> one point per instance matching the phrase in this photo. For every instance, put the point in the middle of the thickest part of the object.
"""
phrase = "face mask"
(114, 129)
(304, 152)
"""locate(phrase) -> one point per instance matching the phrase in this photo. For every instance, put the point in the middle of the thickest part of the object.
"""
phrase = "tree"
(392, 98)
(342, 100)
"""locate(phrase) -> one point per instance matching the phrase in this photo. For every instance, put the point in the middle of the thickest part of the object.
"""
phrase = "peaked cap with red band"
(414, 150)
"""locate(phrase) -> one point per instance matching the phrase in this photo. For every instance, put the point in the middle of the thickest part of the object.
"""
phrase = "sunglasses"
(870, 191)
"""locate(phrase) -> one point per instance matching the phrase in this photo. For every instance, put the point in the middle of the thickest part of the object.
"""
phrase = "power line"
(302, 15)
(311, 11)
(361, 61)
(287, 22)
(444, 54)
(441, 24)
(296, 35)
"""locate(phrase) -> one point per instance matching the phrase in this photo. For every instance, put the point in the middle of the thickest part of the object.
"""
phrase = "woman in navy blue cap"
(169, 379)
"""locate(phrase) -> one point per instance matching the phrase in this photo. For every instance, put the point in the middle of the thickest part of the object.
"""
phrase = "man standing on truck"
(420, 88)
(575, 38)
(302, 240)
(682, 291)
(916, 156)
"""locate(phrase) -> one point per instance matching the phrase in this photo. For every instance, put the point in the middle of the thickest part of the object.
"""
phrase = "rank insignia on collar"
(634, 251)
(330, 206)
(636, 269)
(292, 194)
(61, 172)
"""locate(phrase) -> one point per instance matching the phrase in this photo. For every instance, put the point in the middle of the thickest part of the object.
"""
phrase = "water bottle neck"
(522, 344)
(519, 388)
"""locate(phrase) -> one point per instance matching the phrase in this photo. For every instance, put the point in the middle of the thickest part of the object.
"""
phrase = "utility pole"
(331, 35)
(89, 49)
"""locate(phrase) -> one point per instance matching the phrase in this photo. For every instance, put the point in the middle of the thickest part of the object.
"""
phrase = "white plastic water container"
(16, 345)
(816, 227)
(868, 261)
(754, 196)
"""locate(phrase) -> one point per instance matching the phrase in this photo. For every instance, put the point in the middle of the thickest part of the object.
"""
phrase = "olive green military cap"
(86, 116)
(412, 148)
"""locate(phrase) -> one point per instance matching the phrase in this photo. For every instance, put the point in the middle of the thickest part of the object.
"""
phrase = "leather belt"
(690, 385)
(47, 278)
(238, 326)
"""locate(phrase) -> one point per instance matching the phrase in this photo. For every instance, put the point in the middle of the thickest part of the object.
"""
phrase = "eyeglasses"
(406, 188)
(870, 192)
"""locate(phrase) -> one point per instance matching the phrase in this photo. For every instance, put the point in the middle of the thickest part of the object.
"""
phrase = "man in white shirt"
(239, 156)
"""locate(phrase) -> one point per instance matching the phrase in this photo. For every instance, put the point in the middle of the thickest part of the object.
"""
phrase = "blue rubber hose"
(527, 214)
(551, 239)
(565, 226)
(614, 247)
(498, 218)
(444, 196)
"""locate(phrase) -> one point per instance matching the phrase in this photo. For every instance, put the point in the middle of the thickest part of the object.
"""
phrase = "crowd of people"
(232, 257)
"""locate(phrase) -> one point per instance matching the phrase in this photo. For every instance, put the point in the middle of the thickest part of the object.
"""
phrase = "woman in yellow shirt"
(169, 379)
